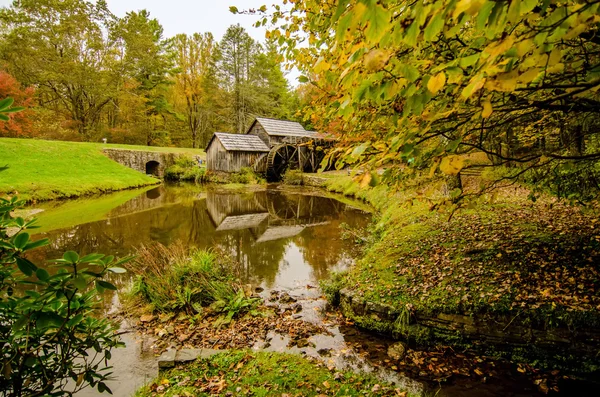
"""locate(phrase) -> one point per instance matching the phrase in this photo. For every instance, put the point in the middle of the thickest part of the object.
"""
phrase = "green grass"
(176, 279)
(501, 258)
(46, 170)
(245, 373)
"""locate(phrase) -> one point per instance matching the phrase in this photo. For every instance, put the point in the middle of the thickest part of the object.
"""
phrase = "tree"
(417, 85)
(196, 86)
(67, 50)
(147, 67)
(238, 58)
(19, 124)
(270, 94)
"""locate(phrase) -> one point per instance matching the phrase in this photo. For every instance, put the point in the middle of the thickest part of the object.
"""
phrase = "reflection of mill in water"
(270, 215)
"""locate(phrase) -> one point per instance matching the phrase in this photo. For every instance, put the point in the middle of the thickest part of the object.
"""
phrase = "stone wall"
(138, 159)
(502, 332)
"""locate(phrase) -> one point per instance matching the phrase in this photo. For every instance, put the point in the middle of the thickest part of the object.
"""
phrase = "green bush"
(174, 279)
(52, 343)
(293, 177)
(186, 169)
(246, 176)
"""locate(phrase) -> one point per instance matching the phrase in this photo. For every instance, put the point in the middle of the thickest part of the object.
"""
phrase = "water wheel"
(281, 158)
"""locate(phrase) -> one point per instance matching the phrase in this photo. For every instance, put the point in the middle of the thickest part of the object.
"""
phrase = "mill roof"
(282, 127)
(240, 142)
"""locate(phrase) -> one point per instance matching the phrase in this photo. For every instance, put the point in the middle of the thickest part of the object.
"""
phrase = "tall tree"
(238, 58)
(65, 48)
(270, 95)
(147, 67)
(196, 84)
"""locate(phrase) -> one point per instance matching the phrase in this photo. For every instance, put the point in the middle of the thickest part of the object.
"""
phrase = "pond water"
(283, 239)
(280, 238)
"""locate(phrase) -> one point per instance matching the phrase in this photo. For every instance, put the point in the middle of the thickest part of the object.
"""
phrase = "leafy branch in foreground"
(417, 87)
(5, 108)
(51, 342)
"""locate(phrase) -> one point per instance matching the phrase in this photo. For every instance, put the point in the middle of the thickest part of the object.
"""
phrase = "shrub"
(293, 177)
(186, 169)
(246, 176)
(174, 279)
(48, 331)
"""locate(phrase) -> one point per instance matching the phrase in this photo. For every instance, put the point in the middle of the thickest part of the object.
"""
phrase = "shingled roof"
(240, 142)
(282, 127)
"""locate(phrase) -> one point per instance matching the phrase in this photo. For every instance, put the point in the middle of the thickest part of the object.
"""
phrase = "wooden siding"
(219, 159)
(260, 132)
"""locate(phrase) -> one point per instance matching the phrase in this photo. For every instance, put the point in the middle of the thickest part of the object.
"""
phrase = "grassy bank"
(45, 170)
(535, 264)
(245, 373)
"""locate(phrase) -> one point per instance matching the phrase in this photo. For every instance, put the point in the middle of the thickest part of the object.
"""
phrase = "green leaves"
(378, 23)
(71, 257)
(42, 313)
(5, 108)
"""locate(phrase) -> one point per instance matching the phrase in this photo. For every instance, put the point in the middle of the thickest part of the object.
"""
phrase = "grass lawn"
(45, 170)
(245, 373)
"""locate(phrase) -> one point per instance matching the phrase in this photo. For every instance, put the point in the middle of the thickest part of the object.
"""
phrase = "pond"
(280, 238)
(283, 239)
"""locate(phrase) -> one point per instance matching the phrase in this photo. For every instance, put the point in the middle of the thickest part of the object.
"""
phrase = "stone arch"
(152, 168)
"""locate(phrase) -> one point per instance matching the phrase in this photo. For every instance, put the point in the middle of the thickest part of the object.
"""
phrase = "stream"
(284, 240)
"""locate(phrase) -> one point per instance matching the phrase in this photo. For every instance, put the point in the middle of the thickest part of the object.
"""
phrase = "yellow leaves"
(475, 85)
(554, 57)
(434, 166)
(365, 180)
(470, 7)
(451, 165)
(321, 65)
(436, 82)
(504, 82)
(523, 47)
(529, 75)
(376, 59)
(487, 110)
(495, 48)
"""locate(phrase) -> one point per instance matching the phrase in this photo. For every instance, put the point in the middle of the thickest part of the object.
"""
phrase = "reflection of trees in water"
(258, 262)
(189, 221)
(322, 246)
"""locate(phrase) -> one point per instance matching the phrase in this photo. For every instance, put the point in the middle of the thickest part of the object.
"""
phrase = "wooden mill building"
(231, 152)
(269, 146)
(274, 132)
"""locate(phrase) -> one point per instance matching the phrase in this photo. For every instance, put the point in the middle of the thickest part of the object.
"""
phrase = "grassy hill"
(45, 170)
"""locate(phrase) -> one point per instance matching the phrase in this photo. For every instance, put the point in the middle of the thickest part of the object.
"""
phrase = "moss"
(486, 261)
(264, 374)
(331, 287)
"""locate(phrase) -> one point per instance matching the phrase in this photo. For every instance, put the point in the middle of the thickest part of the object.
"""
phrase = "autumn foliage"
(20, 124)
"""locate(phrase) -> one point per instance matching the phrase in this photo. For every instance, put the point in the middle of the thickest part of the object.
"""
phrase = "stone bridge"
(147, 162)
